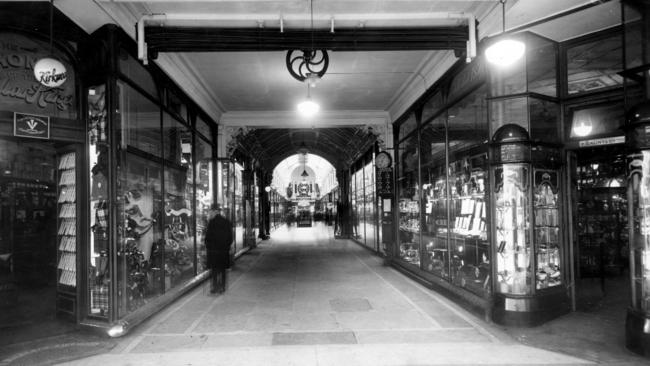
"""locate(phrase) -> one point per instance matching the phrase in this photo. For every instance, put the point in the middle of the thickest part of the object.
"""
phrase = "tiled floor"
(304, 298)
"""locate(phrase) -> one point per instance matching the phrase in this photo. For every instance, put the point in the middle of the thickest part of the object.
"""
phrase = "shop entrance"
(600, 231)
(28, 240)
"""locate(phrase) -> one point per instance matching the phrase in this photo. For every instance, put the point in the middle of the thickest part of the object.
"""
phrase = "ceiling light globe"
(505, 52)
(308, 108)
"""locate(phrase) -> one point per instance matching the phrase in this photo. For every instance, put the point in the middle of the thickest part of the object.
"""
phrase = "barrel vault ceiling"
(250, 92)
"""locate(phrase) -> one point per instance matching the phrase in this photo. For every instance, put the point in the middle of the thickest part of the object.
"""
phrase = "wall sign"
(603, 141)
(32, 126)
(50, 72)
(385, 182)
(21, 91)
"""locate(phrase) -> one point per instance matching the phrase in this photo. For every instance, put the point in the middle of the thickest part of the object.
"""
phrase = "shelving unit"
(547, 231)
(67, 235)
(409, 226)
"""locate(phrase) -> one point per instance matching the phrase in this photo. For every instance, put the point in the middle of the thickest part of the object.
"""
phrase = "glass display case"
(528, 237)
(470, 249)
(409, 202)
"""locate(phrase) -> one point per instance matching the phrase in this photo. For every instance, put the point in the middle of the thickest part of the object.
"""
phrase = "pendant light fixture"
(49, 71)
(505, 51)
(310, 61)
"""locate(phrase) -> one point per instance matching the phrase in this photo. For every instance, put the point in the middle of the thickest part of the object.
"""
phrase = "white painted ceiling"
(357, 82)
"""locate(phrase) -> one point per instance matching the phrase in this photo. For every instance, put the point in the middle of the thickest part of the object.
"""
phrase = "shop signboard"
(604, 141)
(385, 182)
(19, 88)
(31, 126)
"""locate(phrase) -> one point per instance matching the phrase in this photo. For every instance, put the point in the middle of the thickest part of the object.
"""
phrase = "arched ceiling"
(340, 146)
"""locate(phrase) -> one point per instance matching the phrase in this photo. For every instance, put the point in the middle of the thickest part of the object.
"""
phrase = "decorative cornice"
(185, 74)
(289, 119)
(429, 72)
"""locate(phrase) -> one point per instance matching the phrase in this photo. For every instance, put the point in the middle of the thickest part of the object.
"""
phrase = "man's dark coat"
(218, 237)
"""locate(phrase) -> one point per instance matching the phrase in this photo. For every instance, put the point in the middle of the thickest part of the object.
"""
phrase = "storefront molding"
(467, 300)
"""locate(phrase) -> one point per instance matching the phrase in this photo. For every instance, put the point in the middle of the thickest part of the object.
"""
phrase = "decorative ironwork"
(304, 64)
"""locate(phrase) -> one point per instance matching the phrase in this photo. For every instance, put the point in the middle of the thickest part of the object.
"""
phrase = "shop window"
(133, 70)
(409, 201)
(140, 120)
(204, 128)
(370, 210)
(509, 111)
(203, 182)
(407, 126)
(595, 65)
(176, 105)
(178, 230)
(541, 68)
(435, 227)
(595, 121)
(469, 248)
(140, 263)
(239, 207)
(431, 107)
(99, 269)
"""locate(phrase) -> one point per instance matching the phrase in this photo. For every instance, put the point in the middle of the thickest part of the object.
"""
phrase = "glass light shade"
(308, 108)
(583, 128)
(505, 52)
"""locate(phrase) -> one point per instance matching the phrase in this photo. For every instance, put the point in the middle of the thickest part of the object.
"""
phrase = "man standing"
(218, 238)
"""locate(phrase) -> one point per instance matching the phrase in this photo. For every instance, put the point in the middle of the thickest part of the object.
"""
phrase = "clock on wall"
(383, 160)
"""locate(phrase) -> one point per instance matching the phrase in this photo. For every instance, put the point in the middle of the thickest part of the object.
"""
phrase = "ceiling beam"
(207, 39)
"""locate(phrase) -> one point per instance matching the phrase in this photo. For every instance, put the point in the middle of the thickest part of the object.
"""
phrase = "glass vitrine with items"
(529, 272)
(409, 203)
(470, 249)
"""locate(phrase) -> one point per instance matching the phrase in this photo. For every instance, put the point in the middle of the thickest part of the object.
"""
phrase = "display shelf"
(547, 231)
(67, 223)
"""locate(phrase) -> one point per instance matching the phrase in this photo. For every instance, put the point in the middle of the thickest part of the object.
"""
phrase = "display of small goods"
(67, 230)
(409, 215)
(511, 227)
(547, 229)
(601, 220)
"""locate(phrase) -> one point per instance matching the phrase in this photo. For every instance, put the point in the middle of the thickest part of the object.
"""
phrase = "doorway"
(600, 230)
(28, 240)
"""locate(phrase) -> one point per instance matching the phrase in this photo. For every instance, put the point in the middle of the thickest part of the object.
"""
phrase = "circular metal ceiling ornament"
(307, 63)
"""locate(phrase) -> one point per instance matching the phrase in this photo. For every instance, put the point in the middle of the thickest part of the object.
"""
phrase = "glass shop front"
(41, 146)
(102, 213)
(153, 157)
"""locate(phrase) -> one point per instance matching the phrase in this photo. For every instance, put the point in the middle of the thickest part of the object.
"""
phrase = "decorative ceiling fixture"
(505, 51)
(308, 65)
(49, 71)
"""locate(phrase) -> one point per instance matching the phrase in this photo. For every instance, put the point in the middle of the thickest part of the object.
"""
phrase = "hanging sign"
(32, 126)
(384, 182)
(50, 72)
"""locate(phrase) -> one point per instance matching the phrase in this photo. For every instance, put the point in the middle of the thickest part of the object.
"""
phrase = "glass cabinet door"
(547, 229)
(511, 229)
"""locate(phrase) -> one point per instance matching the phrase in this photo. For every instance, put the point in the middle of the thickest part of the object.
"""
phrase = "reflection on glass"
(179, 231)
(470, 249)
(510, 110)
(141, 250)
(595, 65)
(204, 197)
(434, 199)
(238, 207)
(370, 214)
(512, 225)
(98, 254)
(409, 201)
(408, 126)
